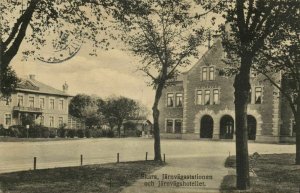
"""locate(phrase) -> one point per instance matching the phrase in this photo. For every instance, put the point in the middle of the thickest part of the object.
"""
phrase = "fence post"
(118, 157)
(165, 158)
(146, 156)
(34, 163)
(81, 159)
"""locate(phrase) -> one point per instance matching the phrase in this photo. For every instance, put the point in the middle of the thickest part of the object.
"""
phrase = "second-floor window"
(42, 103)
(31, 101)
(216, 98)
(51, 103)
(258, 95)
(170, 99)
(179, 100)
(61, 104)
(199, 97)
(207, 97)
(20, 100)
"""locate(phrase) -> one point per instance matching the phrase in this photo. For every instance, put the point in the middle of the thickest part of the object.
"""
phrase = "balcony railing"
(27, 109)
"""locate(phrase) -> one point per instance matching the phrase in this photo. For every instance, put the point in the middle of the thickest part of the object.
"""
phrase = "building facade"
(46, 105)
(200, 104)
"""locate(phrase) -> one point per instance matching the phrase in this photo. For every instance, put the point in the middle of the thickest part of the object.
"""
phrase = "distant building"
(144, 126)
(48, 106)
(200, 104)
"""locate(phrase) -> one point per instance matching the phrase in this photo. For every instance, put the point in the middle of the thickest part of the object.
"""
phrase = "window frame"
(172, 128)
(50, 106)
(218, 94)
(172, 100)
(204, 72)
(177, 101)
(201, 97)
(255, 94)
(31, 102)
(6, 118)
(43, 106)
(207, 93)
(211, 73)
(181, 124)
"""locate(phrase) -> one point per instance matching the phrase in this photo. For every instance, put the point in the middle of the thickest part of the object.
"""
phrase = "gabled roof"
(34, 86)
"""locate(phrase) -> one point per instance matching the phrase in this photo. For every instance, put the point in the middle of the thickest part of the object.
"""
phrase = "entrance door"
(206, 127)
(251, 127)
(226, 127)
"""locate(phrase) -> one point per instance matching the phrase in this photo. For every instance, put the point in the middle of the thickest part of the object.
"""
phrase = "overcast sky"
(111, 73)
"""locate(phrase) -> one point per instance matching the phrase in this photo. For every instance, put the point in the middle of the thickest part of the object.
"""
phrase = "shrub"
(45, 132)
(80, 133)
(71, 133)
(110, 133)
(96, 133)
(88, 133)
(17, 131)
(61, 132)
(52, 132)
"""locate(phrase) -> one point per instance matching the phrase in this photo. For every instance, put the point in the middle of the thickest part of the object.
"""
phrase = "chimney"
(31, 76)
(65, 87)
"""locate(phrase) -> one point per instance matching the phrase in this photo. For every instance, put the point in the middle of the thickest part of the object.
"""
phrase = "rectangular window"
(20, 100)
(199, 97)
(258, 95)
(170, 100)
(31, 101)
(250, 96)
(7, 119)
(211, 73)
(42, 103)
(169, 128)
(60, 121)
(293, 128)
(51, 123)
(204, 73)
(178, 100)
(207, 97)
(42, 119)
(178, 126)
(51, 103)
(61, 104)
(216, 96)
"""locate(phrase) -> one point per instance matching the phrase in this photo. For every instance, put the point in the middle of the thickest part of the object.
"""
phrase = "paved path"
(203, 166)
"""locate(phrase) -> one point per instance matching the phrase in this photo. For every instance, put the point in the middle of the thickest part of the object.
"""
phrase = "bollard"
(165, 158)
(34, 163)
(81, 159)
(146, 156)
(118, 157)
(229, 154)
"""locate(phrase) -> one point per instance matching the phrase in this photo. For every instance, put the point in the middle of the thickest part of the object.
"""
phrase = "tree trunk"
(242, 89)
(297, 121)
(156, 132)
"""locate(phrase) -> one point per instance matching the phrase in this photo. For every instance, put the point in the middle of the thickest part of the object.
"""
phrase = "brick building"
(48, 106)
(200, 105)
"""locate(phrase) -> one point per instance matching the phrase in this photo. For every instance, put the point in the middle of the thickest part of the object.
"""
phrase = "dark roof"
(32, 85)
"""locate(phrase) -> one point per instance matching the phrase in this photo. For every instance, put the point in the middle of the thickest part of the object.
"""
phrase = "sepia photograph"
(149, 96)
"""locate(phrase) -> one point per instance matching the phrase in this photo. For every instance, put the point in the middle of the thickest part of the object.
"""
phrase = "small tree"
(164, 41)
(85, 108)
(116, 110)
